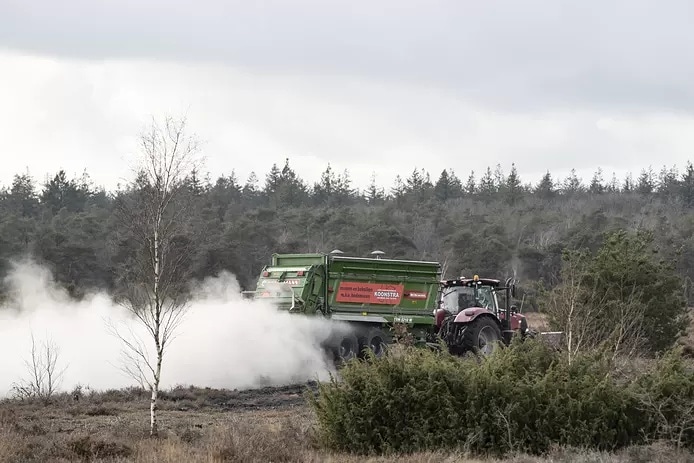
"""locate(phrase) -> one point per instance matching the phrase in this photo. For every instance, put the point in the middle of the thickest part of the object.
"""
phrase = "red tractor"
(469, 317)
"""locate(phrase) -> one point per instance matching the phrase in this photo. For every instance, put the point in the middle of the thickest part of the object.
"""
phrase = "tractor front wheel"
(482, 336)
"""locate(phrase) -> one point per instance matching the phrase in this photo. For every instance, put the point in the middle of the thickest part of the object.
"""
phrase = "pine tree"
(455, 184)
(272, 180)
(487, 186)
(668, 182)
(374, 193)
(596, 184)
(471, 185)
(442, 189)
(343, 188)
(572, 184)
(514, 188)
(399, 189)
(687, 185)
(499, 179)
(613, 186)
(646, 182)
(324, 190)
(250, 188)
(545, 188)
(628, 185)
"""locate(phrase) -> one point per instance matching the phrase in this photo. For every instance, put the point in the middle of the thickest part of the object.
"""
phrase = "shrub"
(666, 395)
(525, 398)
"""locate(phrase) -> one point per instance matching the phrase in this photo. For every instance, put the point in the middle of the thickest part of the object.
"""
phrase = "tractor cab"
(466, 293)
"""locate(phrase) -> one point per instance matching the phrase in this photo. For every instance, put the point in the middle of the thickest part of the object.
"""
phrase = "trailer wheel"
(377, 341)
(348, 348)
(482, 336)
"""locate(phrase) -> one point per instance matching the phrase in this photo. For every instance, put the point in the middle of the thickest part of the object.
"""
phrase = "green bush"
(666, 395)
(525, 398)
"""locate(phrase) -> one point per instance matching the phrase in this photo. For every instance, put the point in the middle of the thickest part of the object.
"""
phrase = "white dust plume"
(224, 340)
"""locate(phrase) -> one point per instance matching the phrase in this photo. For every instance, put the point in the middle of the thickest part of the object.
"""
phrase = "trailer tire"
(482, 336)
(347, 348)
(377, 341)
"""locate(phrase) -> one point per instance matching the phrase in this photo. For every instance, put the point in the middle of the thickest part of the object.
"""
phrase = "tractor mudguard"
(468, 315)
(518, 321)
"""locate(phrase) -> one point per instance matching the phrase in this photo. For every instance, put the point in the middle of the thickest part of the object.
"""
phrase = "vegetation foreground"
(526, 404)
(117, 432)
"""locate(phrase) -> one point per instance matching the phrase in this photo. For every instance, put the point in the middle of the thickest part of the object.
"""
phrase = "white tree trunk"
(153, 410)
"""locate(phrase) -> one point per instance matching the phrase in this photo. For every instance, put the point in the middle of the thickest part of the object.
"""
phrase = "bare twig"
(44, 375)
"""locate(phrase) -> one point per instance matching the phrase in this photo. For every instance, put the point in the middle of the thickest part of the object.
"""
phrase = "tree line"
(492, 224)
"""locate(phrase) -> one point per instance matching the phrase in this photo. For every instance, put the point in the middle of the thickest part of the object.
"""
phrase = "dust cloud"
(224, 341)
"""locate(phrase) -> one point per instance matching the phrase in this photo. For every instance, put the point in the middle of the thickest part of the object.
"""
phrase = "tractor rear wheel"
(482, 336)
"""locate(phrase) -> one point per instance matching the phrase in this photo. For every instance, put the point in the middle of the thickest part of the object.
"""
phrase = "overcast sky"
(382, 86)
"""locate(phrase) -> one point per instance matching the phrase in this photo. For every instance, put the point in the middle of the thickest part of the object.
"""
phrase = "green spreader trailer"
(371, 295)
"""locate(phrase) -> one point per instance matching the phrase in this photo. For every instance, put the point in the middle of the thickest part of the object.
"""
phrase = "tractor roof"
(471, 281)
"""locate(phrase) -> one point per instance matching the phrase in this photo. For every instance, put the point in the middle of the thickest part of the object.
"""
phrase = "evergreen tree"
(194, 183)
(545, 188)
(572, 184)
(646, 182)
(59, 192)
(514, 188)
(272, 180)
(442, 189)
(415, 182)
(596, 184)
(499, 179)
(250, 188)
(456, 186)
(324, 190)
(487, 186)
(291, 190)
(471, 185)
(343, 188)
(613, 186)
(628, 185)
(374, 194)
(448, 186)
(23, 198)
(399, 189)
(687, 185)
(668, 182)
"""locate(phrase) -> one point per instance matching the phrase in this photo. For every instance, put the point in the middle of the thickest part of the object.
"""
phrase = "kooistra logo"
(386, 294)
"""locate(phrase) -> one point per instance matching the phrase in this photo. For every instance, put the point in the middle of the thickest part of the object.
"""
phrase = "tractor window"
(487, 298)
(461, 297)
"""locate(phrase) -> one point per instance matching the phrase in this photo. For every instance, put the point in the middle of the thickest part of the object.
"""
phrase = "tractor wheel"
(377, 341)
(482, 336)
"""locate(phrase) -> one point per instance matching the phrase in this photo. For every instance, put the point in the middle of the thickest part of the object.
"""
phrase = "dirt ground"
(207, 425)
(536, 320)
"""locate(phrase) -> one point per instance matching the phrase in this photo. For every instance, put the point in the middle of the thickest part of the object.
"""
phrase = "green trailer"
(371, 295)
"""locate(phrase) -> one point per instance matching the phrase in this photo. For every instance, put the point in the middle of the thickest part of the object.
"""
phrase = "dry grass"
(112, 427)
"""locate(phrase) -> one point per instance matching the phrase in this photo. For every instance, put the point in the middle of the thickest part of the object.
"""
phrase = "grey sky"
(364, 85)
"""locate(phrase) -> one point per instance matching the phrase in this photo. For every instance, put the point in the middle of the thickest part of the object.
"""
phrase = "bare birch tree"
(156, 215)
(591, 317)
(44, 374)
(568, 311)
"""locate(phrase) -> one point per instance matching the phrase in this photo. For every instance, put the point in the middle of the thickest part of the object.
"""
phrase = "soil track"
(271, 397)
